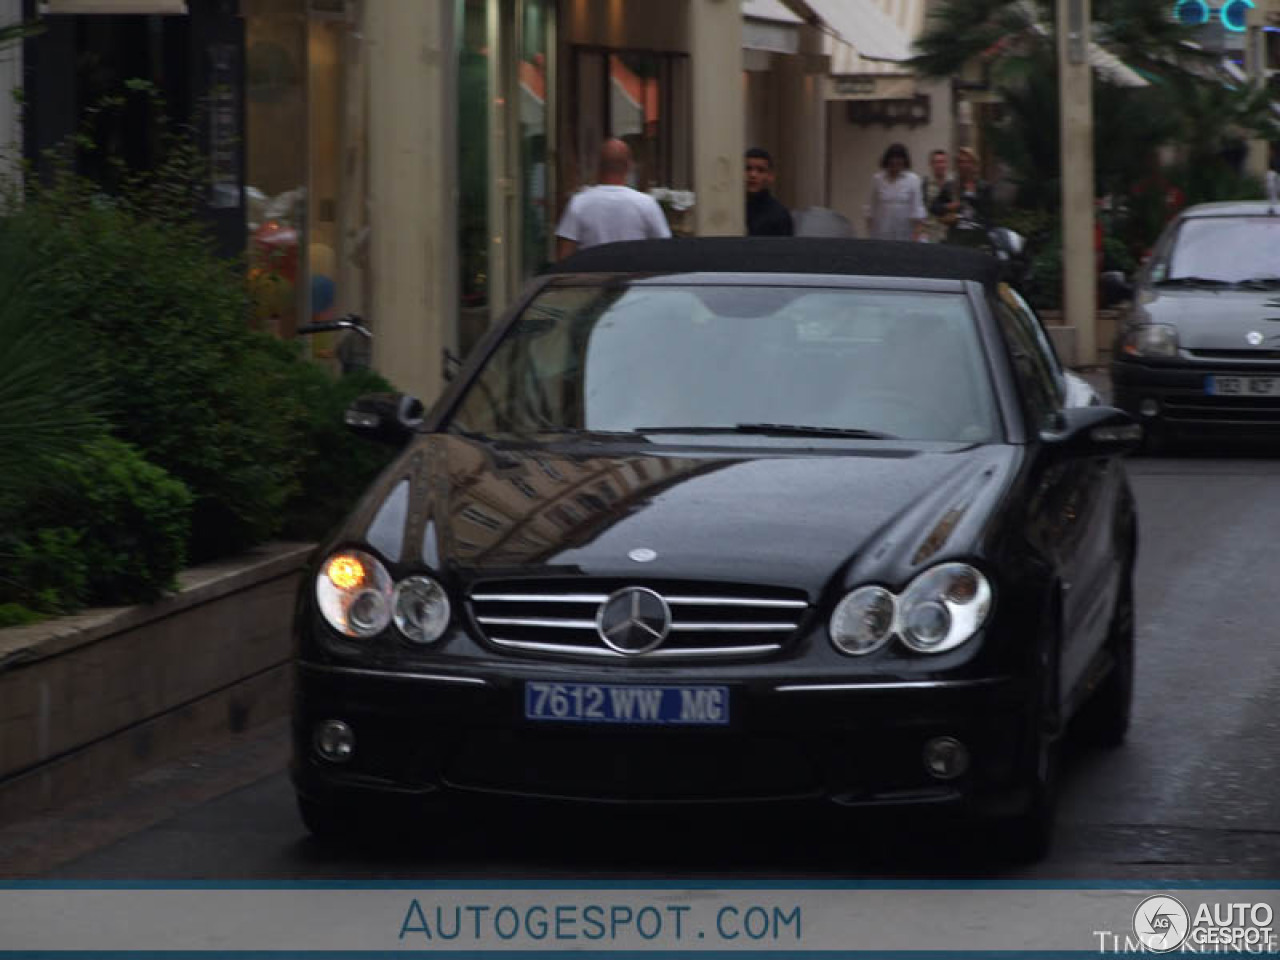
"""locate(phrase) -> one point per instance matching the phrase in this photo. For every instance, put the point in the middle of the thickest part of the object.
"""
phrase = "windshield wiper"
(541, 432)
(777, 430)
(1192, 282)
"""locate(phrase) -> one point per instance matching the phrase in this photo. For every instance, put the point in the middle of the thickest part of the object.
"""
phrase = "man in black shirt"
(766, 217)
(965, 204)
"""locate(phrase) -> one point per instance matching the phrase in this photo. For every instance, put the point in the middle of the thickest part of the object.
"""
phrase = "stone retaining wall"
(89, 700)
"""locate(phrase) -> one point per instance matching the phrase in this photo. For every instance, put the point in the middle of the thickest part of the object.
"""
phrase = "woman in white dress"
(896, 208)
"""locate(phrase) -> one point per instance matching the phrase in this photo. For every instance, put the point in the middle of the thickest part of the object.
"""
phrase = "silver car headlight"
(1152, 340)
(943, 607)
(421, 609)
(354, 591)
(863, 621)
(939, 610)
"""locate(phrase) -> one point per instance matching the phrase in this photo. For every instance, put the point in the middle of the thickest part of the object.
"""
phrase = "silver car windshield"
(818, 363)
(1225, 250)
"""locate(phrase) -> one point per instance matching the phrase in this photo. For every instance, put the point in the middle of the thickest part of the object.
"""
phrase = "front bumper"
(1179, 389)
(787, 740)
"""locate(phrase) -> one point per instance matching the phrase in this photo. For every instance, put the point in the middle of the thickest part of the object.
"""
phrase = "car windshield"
(1225, 250)
(820, 364)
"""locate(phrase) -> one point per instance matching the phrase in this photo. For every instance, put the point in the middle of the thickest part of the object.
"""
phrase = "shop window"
(293, 67)
(275, 167)
(536, 215)
(641, 98)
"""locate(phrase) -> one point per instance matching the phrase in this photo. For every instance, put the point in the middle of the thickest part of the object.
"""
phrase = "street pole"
(1258, 17)
(1075, 102)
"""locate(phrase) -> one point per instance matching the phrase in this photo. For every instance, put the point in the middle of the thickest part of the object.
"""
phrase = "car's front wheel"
(1105, 719)
(1026, 836)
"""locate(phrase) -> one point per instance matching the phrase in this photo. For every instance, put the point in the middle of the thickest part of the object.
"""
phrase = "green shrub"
(134, 520)
(163, 322)
(16, 615)
(109, 528)
(338, 464)
(44, 569)
(1043, 285)
(1116, 255)
(47, 397)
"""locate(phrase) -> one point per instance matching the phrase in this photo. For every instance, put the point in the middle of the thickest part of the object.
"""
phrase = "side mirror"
(387, 417)
(1092, 432)
(1113, 288)
(1010, 248)
(1008, 244)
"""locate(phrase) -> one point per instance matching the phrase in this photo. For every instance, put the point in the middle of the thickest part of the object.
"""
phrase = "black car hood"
(1218, 319)
(786, 518)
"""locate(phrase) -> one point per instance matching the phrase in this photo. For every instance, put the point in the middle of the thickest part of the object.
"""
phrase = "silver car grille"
(707, 620)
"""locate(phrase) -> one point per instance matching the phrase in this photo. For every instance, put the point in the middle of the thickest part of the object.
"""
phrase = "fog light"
(335, 741)
(1149, 407)
(946, 758)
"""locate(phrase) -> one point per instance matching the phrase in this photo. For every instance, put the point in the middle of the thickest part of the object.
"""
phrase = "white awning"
(866, 27)
(768, 25)
(769, 10)
(63, 7)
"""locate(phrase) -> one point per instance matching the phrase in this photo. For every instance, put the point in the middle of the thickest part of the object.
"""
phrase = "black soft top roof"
(876, 258)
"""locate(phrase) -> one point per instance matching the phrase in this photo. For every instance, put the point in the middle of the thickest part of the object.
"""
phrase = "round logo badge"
(633, 621)
(1161, 923)
(1254, 338)
(643, 555)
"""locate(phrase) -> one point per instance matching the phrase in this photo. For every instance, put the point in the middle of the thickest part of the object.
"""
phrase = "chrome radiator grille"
(707, 620)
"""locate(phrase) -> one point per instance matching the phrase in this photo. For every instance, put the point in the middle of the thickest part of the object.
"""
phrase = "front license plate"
(1242, 386)
(627, 703)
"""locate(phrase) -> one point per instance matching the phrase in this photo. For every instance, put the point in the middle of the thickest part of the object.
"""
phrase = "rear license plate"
(1242, 386)
(627, 703)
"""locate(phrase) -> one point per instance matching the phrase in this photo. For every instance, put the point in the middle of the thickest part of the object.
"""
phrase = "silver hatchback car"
(1199, 349)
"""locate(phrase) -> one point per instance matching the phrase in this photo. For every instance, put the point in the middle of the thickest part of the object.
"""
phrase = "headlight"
(1152, 340)
(943, 607)
(939, 610)
(863, 620)
(354, 592)
(421, 609)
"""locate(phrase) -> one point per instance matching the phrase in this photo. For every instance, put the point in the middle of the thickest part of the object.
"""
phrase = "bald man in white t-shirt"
(611, 210)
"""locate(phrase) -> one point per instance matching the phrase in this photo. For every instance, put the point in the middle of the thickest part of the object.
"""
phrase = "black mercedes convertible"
(726, 520)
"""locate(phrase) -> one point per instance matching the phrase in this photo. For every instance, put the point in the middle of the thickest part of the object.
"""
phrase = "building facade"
(406, 161)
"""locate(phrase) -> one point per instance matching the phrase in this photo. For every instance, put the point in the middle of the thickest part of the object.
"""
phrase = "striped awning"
(770, 26)
(867, 56)
(862, 32)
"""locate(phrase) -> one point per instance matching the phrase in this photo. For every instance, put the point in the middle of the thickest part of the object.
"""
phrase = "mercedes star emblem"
(633, 621)
(1254, 338)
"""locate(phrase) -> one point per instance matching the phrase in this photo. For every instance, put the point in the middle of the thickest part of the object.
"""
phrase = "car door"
(1064, 513)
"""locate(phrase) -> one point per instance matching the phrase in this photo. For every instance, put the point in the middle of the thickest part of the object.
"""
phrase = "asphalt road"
(1194, 794)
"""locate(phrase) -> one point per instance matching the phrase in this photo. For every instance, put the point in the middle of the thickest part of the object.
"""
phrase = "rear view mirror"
(387, 417)
(1093, 432)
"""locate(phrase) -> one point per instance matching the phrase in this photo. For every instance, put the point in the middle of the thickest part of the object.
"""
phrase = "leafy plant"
(338, 465)
(108, 527)
(162, 321)
(48, 396)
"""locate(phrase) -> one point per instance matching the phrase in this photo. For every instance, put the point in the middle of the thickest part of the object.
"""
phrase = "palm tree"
(1186, 102)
